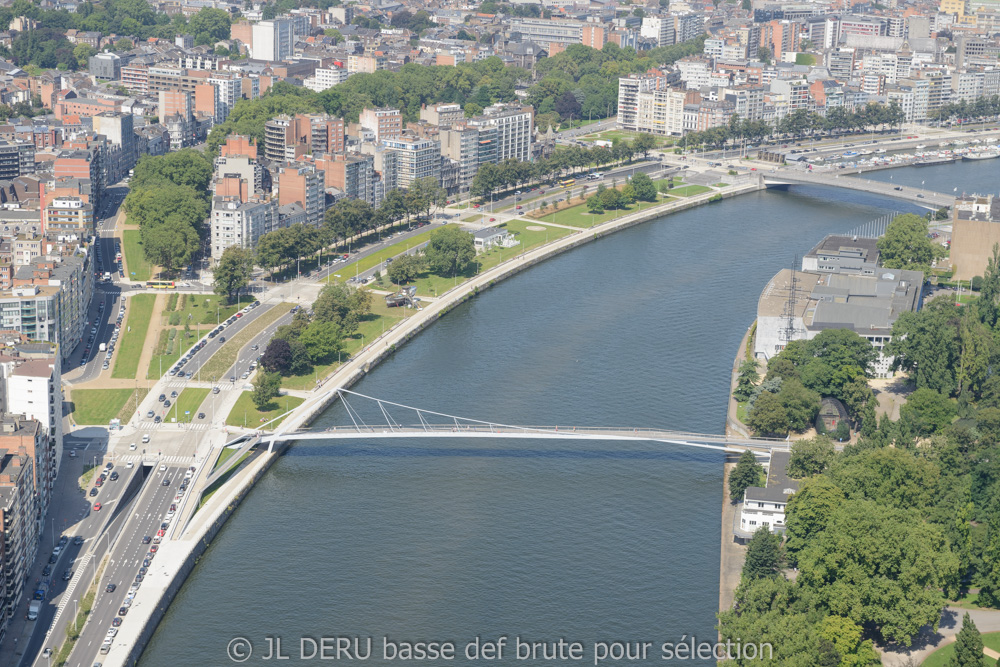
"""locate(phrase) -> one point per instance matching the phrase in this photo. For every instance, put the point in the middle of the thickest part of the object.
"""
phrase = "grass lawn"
(382, 318)
(217, 484)
(189, 401)
(89, 470)
(431, 284)
(226, 356)
(611, 135)
(137, 267)
(473, 218)
(741, 411)
(140, 312)
(98, 406)
(720, 185)
(389, 251)
(128, 409)
(943, 655)
(245, 413)
(689, 190)
(165, 356)
(578, 216)
(226, 454)
(204, 309)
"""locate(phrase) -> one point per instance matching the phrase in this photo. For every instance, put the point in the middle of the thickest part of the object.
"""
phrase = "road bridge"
(924, 198)
(388, 424)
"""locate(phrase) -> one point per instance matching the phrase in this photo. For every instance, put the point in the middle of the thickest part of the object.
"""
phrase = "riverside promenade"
(178, 556)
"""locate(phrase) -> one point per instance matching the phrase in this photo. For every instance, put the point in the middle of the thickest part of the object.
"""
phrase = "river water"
(590, 542)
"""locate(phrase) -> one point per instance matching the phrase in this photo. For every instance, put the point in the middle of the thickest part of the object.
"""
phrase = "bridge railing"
(541, 430)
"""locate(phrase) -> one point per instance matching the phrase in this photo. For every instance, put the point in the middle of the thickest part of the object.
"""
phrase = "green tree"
(809, 511)
(449, 251)
(880, 566)
(847, 638)
(170, 244)
(343, 306)
(187, 166)
(643, 144)
(801, 405)
(747, 378)
(322, 341)
(747, 473)
(768, 416)
(209, 26)
(406, 269)
(233, 271)
(645, 189)
(266, 386)
(82, 53)
(905, 244)
(968, 646)
(989, 579)
(927, 411)
(926, 344)
(810, 457)
(762, 555)
(890, 476)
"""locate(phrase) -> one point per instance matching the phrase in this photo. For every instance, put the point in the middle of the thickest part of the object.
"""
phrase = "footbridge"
(925, 198)
(376, 419)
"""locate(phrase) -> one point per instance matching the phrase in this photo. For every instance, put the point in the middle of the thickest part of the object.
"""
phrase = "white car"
(132, 447)
(111, 633)
(163, 467)
(130, 464)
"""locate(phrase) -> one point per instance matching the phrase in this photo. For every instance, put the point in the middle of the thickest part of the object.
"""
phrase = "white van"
(145, 438)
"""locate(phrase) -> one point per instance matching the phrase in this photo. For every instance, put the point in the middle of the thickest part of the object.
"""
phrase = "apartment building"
(354, 175)
(386, 123)
(629, 89)
(305, 185)
(514, 125)
(548, 31)
(69, 215)
(18, 529)
(661, 112)
(415, 158)
(240, 223)
(16, 159)
(273, 40)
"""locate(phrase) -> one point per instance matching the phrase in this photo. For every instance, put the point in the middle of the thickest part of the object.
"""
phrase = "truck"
(34, 607)
(102, 347)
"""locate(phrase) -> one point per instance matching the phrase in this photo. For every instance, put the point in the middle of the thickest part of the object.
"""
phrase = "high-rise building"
(386, 123)
(353, 174)
(273, 40)
(305, 185)
(515, 129)
(629, 88)
(240, 223)
(415, 158)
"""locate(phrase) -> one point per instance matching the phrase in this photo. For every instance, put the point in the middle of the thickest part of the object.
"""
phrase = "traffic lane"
(372, 248)
(105, 321)
(88, 526)
(126, 557)
(212, 346)
(247, 353)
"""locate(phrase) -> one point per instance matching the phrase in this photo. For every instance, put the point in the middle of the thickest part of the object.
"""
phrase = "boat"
(980, 156)
(927, 162)
(920, 147)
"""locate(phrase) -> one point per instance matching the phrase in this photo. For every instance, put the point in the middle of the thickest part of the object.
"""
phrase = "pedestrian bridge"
(395, 420)
(841, 179)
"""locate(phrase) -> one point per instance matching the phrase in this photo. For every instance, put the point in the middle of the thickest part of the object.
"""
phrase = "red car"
(475, 206)
(97, 507)
(159, 533)
(493, 219)
(518, 208)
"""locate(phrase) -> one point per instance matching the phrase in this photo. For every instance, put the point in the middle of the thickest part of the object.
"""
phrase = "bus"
(160, 284)
(567, 183)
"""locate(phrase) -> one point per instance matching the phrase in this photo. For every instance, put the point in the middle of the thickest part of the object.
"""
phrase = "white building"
(325, 78)
(273, 41)
(241, 224)
(515, 129)
(765, 507)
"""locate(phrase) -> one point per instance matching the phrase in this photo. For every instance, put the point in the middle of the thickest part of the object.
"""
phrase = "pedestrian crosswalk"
(153, 459)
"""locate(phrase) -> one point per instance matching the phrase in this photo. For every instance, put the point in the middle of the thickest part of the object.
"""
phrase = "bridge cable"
(350, 411)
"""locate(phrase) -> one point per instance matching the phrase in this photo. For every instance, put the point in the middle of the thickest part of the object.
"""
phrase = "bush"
(977, 283)
(172, 302)
(175, 318)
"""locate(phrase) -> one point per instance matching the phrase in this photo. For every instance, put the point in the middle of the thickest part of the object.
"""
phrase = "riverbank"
(177, 558)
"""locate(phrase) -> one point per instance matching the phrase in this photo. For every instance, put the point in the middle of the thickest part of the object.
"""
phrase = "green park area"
(186, 406)
(100, 406)
(579, 216)
(138, 267)
(133, 337)
(943, 656)
(226, 356)
(184, 320)
(245, 413)
(373, 260)
(380, 319)
(622, 135)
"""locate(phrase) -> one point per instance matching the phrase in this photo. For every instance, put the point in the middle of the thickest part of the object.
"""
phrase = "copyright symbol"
(239, 649)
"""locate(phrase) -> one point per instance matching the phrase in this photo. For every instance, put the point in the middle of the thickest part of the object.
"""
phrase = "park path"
(152, 335)
(986, 620)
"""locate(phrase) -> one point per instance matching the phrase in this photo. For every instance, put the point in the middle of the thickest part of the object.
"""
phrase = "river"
(449, 540)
